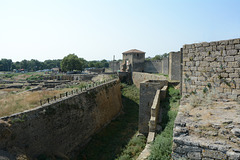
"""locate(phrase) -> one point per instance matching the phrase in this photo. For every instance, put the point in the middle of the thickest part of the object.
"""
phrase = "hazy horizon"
(96, 30)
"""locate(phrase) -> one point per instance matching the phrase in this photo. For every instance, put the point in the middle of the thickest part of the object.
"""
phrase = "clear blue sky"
(96, 30)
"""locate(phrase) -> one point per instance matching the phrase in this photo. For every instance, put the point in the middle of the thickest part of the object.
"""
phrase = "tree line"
(158, 57)
(68, 63)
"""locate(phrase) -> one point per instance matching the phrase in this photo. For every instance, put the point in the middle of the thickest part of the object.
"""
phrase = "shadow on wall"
(109, 143)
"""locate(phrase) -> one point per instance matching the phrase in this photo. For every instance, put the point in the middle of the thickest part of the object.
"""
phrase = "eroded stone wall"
(212, 65)
(148, 91)
(62, 125)
(115, 65)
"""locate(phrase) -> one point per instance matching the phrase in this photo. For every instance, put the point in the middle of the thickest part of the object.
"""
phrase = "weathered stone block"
(237, 58)
(192, 50)
(214, 48)
(209, 48)
(229, 70)
(191, 149)
(194, 155)
(204, 64)
(200, 49)
(198, 45)
(227, 90)
(193, 68)
(222, 47)
(219, 59)
(225, 75)
(187, 46)
(236, 41)
(205, 44)
(186, 59)
(198, 58)
(234, 64)
(234, 75)
(232, 52)
(228, 47)
(197, 63)
(225, 42)
(217, 53)
(237, 46)
(237, 92)
(213, 154)
(233, 97)
(213, 43)
(189, 63)
(233, 155)
(202, 78)
(229, 58)
(215, 64)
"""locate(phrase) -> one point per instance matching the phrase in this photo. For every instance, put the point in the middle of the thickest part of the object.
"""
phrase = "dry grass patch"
(13, 103)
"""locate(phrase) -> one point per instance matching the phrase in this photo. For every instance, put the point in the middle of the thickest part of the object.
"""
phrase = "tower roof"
(133, 51)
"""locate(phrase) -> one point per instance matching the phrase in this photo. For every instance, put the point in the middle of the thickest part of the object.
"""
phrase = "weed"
(205, 90)
(161, 74)
(209, 85)
(27, 88)
(204, 98)
(162, 146)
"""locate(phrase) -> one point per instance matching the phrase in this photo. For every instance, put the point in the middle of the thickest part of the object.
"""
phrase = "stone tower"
(133, 61)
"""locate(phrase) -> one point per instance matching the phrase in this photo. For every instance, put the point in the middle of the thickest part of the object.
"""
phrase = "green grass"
(35, 77)
(161, 74)
(7, 75)
(118, 140)
(161, 149)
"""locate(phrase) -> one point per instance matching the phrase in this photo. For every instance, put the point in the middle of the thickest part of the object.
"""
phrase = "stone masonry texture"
(148, 90)
(62, 125)
(175, 65)
(165, 65)
(215, 64)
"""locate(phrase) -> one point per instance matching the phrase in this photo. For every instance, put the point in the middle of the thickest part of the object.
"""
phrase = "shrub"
(27, 88)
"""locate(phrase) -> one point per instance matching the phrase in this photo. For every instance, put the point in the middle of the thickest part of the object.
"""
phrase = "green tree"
(6, 64)
(71, 62)
(159, 57)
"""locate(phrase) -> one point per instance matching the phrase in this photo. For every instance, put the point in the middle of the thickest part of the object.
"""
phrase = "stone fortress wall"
(170, 66)
(174, 69)
(62, 125)
(138, 77)
(153, 66)
(215, 64)
(209, 131)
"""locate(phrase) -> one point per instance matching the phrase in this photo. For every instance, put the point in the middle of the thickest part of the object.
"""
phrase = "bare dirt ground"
(219, 121)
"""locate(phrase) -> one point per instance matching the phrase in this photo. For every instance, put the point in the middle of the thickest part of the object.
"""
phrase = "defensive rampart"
(207, 125)
(58, 127)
